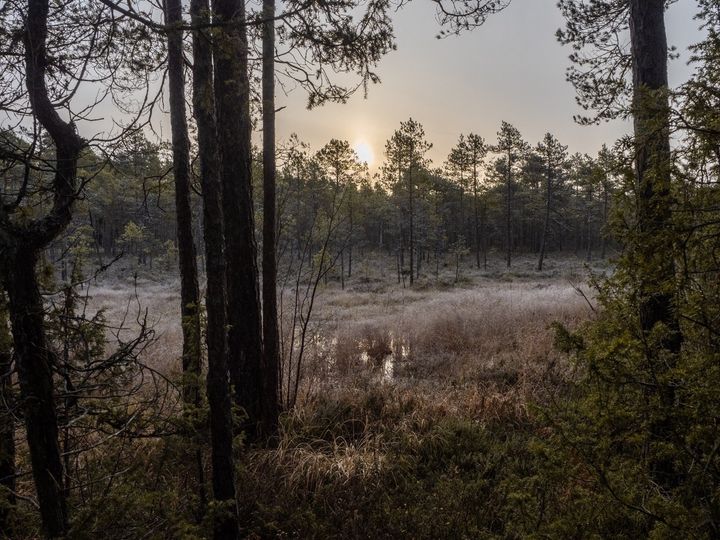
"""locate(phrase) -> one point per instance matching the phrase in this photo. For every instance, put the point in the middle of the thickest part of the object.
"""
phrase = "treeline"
(511, 198)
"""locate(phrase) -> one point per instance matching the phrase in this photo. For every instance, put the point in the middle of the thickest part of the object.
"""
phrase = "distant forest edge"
(509, 197)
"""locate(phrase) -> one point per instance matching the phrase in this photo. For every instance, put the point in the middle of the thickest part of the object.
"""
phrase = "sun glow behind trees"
(364, 152)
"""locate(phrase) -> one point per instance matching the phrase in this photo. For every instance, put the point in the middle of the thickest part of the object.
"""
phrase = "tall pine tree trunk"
(652, 251)
(232, 100)
(603, 235)
(508, 214)
(476, 225)
(271, 337)
(189, 288)
(218, 386)
(588, 232)
(412, 227)
(483, 227)
(546, 223)
(654, 247)
(351, 233)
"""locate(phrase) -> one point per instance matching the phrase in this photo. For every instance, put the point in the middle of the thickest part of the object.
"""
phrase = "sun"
(364, 152)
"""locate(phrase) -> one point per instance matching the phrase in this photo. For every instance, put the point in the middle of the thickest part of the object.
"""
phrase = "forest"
(216, 331)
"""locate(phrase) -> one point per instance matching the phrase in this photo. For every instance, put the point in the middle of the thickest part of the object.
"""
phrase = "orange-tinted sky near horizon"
(512, 69)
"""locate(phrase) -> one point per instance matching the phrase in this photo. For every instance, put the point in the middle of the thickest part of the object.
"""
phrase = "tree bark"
(34, 363)
(652, 253)
(351, 229)
(412, 224)
(189, 288)
(218, 386)
(476, 224)
(271, 336)
(546, 222)
(508, 213)
(653, 167)
(20, 245)
(483, 227)
(232, 97)
(7, 424)
(603, 232)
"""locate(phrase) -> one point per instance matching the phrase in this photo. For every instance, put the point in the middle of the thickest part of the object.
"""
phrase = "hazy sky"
(512, 69)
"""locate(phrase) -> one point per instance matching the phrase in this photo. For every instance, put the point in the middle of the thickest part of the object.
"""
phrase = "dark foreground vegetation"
(406, 358)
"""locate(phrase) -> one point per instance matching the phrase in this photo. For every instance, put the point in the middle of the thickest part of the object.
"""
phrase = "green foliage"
(147, 499)
(642, 420)
(454, 478)
(169, 256)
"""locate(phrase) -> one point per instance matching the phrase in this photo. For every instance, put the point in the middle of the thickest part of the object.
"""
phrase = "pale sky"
(512, 69)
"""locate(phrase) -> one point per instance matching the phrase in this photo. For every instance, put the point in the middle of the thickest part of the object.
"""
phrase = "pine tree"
(405, 152)
(512, 148)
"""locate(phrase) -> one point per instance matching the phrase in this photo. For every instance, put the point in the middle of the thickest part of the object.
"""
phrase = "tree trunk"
(7, 424)
(653, 167)
(232, 97)
(271, 336)
(351, 232)
(603, 233)
(461, 216)
(34, 366)
(483, 226)
(412, 227)
(399, 266)
(546, 223)
(476, 226)
(588, 234)
(189, 288)
(508, 214)
(218, 388)
(342, 269)
(20, 246)
(652, 254)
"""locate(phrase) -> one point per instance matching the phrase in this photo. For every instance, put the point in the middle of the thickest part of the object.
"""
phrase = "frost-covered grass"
(127, 304)
(416, 416)
(440, 445)
(484, 350)
(488, 331)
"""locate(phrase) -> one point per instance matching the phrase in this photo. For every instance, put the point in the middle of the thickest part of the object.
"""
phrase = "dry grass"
(125, 304)
(480, 349)
(387, 370)
(494, 338)
(395, 364)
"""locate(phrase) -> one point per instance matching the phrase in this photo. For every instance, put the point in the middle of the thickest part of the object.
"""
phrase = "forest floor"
(411, 400)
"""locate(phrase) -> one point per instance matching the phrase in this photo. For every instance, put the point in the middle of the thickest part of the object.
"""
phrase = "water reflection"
(378, 351)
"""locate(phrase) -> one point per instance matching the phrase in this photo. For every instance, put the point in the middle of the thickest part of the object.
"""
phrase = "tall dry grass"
(490, 344)
(482, 351)
(387, 369)
(482, 355)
